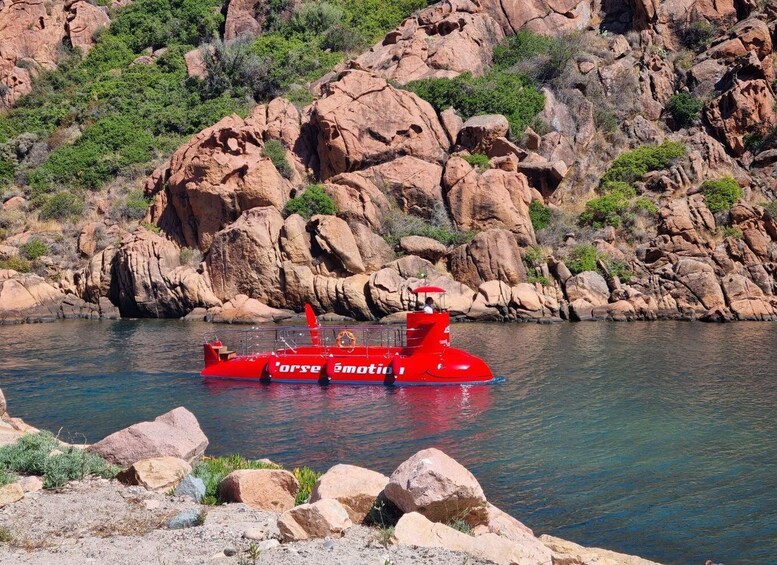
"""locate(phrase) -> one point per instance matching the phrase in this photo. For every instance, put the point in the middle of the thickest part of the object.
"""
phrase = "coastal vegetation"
(103, 115)
(721, 194)
(43, 455)
(314, 200)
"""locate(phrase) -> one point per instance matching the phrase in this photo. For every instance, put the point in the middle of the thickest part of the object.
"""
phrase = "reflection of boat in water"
(418, 354)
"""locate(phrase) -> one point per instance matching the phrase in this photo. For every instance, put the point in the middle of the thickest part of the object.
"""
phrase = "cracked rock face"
(31, 36)
(363, 120)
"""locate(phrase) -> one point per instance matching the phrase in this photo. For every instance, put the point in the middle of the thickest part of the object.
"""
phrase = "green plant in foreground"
(384, 534)
(6, 477)
(461, 526)
(311, 202)
(721, 194)
(32, 455)
(307, 478)
(19, 264)
(212, 471)
(5, 535)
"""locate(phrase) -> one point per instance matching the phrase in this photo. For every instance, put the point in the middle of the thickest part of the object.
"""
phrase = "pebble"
(186, 519)
(329, 543)
(230, 551)
(255, 534)
(191, 486)
(268, 544)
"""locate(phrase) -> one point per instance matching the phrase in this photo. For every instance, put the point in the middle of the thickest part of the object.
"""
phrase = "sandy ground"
(103, 522)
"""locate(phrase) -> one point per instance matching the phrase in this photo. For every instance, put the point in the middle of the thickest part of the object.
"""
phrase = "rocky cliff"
(622, 167)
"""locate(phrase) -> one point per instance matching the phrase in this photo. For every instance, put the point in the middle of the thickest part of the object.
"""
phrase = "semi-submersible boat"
(418, 354)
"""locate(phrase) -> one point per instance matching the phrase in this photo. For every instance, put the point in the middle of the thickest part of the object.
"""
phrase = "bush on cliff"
(276, 152)
(543, 58)
(497, 92)
(539, 214)
(311, 202)
(684, 108)
(631, 166)
(34, 249)
(397, 224)
(41, 454)
(721, 194)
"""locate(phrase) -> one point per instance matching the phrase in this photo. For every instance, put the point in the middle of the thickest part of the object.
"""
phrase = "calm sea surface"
(657, 439)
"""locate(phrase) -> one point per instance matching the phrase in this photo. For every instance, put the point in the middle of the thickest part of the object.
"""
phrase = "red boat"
(419, 354)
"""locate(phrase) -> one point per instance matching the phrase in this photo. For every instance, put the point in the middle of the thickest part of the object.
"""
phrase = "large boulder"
(244, 19)
(158, 474)
(151, 282)
(478, 133)
(335, 238)
(362, 120)
(27, 297)
(244, 310)
(176, 433)
(414, 184)
(358, 199)
(492, 255)
(245, 257)
(273, 490)
(437, 486)
(491, 199)
(416, 530)
(208, 182)
(390, 289)
(548, 17)
(588, 286)
(355, 488)
(325, 518)
(83, 20)
(10, 493)
(345, 295)
(440, 41)
(570, 553)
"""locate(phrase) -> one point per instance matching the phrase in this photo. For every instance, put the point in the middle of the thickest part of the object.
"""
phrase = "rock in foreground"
(354, 487)
(176, 433)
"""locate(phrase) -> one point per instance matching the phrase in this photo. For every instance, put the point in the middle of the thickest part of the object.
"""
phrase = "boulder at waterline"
(438, 487)
(176, 433)
(266, 489)
(569, 553)
(414, 529)
(356, 488)
(317, 520)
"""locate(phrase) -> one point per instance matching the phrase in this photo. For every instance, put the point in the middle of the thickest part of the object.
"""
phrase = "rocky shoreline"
(430, 510)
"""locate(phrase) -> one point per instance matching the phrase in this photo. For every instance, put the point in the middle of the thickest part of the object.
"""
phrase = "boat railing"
(359, 339)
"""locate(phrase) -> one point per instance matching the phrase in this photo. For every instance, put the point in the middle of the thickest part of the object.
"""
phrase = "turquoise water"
(656, 439)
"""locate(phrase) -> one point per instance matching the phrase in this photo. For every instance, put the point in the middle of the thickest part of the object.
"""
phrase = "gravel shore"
(104, 522)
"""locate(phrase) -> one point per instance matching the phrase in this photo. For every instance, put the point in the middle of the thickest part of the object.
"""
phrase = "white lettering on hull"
(371, 369)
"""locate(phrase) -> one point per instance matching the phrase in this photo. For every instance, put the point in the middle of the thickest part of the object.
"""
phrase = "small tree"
(311, 202)
(721, 194)
(684, 108)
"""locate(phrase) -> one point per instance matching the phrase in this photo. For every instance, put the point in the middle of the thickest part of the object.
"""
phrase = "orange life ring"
(343, 336)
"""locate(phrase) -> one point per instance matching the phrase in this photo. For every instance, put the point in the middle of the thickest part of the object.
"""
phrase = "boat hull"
(357, 366)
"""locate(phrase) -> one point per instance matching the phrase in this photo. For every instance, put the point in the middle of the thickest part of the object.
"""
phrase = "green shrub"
(478, 160)
(532, 277)
(235, 69)
(307, 478)
(633, 165)
(19, 264)
(397, 225)
(32, 455)
(721, 194)
(644, 204)
(771, 208)
(609, 209)
(61, 206)
(519, 47)
(539, 214)
(581, 258)
(697, 35)
(315, 18)
(543, 58)
(6, 477)
(311, 202)
(7, 170)
(618, 269)
(731, 231)
(212, 471)
(74, 464)
(33, 249)
(497, 92)
(535, 256)
(276, 152)
(135, 205)
(684, 108)
(5, 535)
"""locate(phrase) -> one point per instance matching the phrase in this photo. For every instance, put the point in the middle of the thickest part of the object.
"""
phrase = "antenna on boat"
(313, 325)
